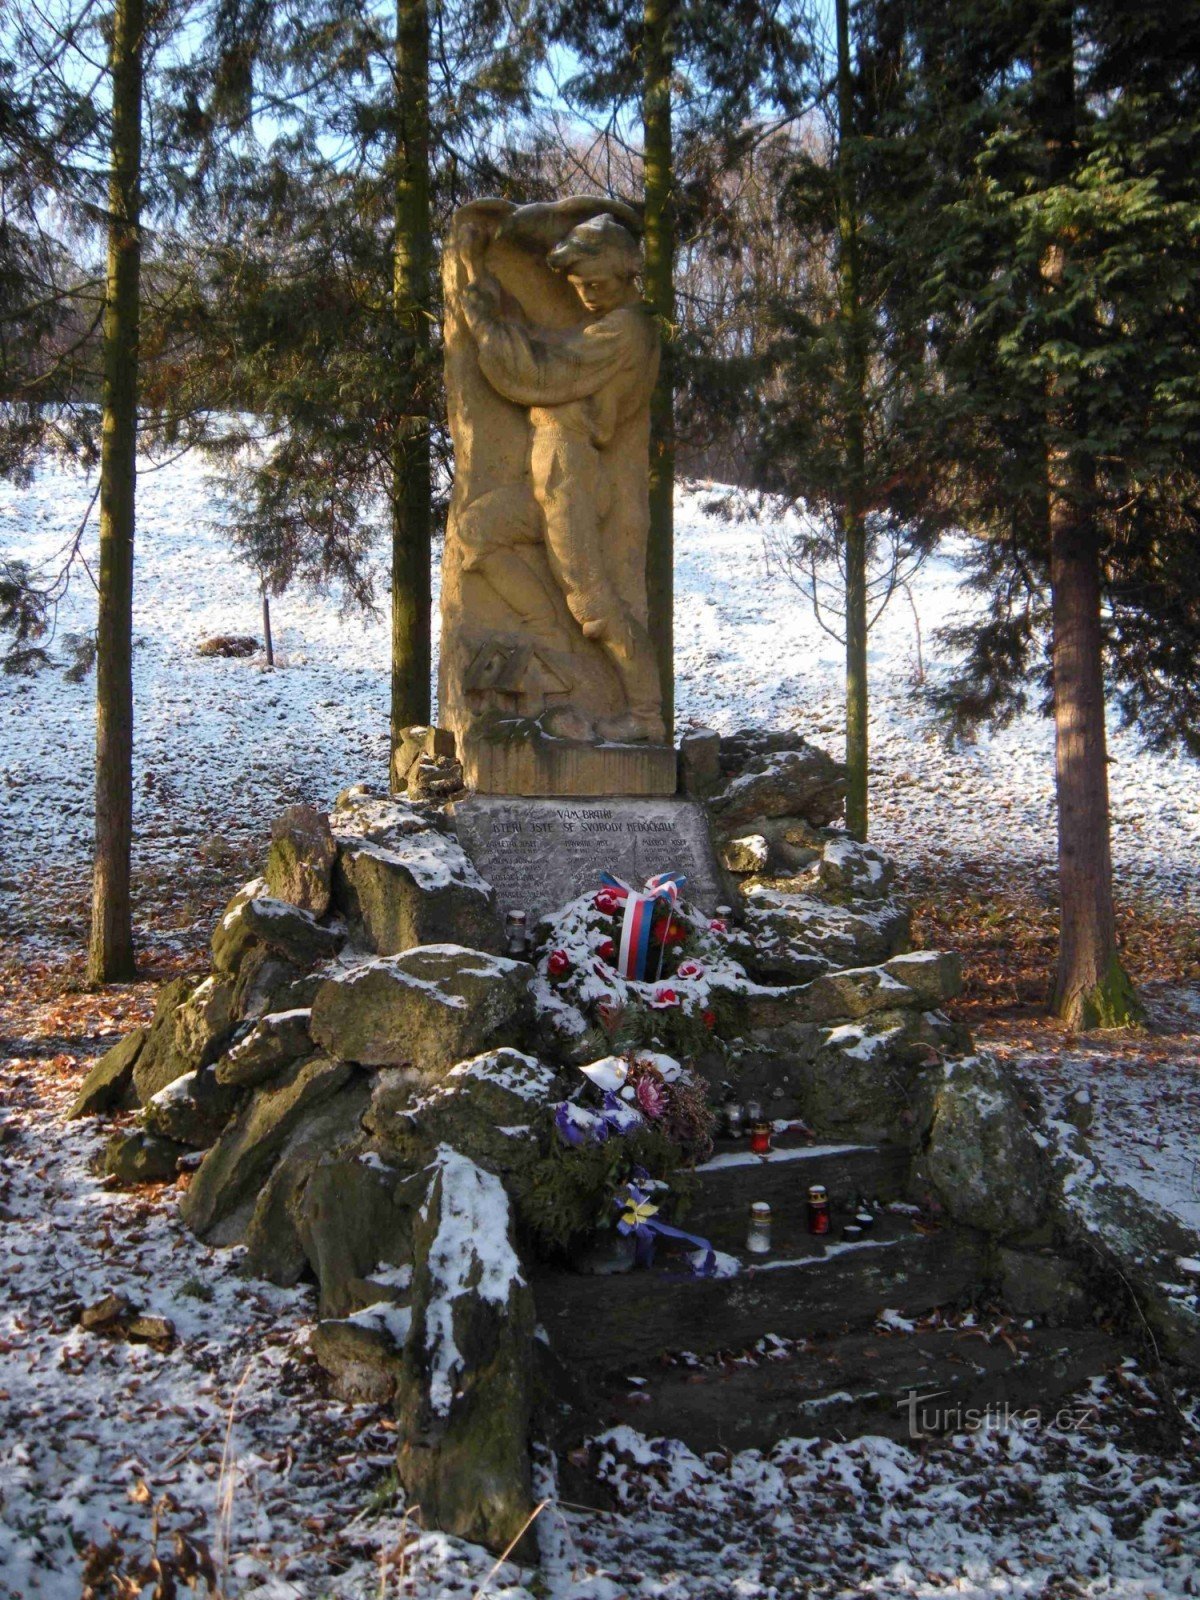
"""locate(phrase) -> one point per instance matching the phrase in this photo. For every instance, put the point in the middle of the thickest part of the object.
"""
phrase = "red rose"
(605, 948)
(719, 925)
(689, 969)
(607, 903)
(709, 1019)
(665, 997)
(557, 963)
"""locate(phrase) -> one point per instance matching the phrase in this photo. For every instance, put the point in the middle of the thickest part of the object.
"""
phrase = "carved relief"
(551, 358)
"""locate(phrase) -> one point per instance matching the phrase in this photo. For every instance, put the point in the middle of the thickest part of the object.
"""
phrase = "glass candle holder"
(760, 1138)
(735, 1119)
(516, 935)
(818, 1209)
(758, 1234)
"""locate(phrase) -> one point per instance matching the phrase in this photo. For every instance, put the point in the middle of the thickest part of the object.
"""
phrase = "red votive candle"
(760, 1138)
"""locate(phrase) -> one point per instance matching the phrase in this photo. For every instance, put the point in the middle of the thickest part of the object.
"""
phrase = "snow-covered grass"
(289, 1491)
(222, 744)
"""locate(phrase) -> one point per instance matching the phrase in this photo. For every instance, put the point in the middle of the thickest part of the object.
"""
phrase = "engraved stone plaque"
(538, 854)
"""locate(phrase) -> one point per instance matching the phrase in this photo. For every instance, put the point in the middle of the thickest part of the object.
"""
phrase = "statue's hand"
(472, 239)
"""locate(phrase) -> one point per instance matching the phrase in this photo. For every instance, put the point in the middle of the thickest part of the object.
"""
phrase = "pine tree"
(693, 75)
(312, 301)
(1048, 217)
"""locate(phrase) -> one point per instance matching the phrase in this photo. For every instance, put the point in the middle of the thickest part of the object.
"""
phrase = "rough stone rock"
(934, 976)
(275, 1041)
(409, 746)
(793, 780)
(485, 1108)
(750, 853)
(266, 983)
(107, 1314)
(831, 996)
(435, 778)
(364, 1352)
(333, 1131)
(852, 871)
(237, 1166)
(427, 1008)
(1041, 1283)
(699, 762)
(981, 1155)
(860, 1083)
(160, 1061)
(421, 889)
(205, 1021)
(464, 1398)
(1148, 1250)
(136, 1156)
(354, 1217)
(858, 935)
(193, 1110)
(300, 861)
(254, 918)
(109, 1084)
(360, 813)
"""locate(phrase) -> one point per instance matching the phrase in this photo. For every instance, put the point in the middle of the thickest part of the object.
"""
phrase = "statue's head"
(601, 259)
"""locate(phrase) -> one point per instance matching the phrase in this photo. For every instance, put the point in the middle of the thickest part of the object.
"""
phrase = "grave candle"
(818, 1209)
(758, 1236)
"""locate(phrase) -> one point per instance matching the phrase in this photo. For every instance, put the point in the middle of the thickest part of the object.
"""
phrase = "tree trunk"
(110, 953)
(412, 301)
(1092, 989)
(658, 47)
(854, 532)
(268, 644)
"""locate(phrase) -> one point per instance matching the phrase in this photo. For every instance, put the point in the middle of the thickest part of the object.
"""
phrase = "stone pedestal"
(520, 758)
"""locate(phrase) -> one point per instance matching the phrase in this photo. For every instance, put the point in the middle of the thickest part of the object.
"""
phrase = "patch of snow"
(470, 1254)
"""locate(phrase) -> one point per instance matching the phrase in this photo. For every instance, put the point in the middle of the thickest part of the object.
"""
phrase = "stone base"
(520, 758)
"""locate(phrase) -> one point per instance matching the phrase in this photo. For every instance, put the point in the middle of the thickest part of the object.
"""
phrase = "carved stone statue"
(548, 677)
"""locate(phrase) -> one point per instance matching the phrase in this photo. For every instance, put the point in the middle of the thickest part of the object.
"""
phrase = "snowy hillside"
(222, 744)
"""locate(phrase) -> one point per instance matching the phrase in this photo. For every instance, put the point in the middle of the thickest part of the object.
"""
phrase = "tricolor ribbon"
(634, 950)
(639, 1217)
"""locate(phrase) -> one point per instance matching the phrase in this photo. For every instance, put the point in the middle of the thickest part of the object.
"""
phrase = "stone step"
(805, 1287)
(734, 1177)
(903, 1385)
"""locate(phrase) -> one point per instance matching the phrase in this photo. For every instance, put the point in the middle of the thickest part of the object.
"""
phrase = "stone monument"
(548, 674)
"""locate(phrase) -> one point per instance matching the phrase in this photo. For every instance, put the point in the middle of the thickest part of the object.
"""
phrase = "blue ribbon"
(646, 1229)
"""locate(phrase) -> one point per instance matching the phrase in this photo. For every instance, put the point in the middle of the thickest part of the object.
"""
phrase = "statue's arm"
(538, 372)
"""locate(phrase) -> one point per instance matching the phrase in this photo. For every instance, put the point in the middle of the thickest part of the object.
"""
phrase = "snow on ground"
(93, 1433)
(229, 1441)
(222, 744)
